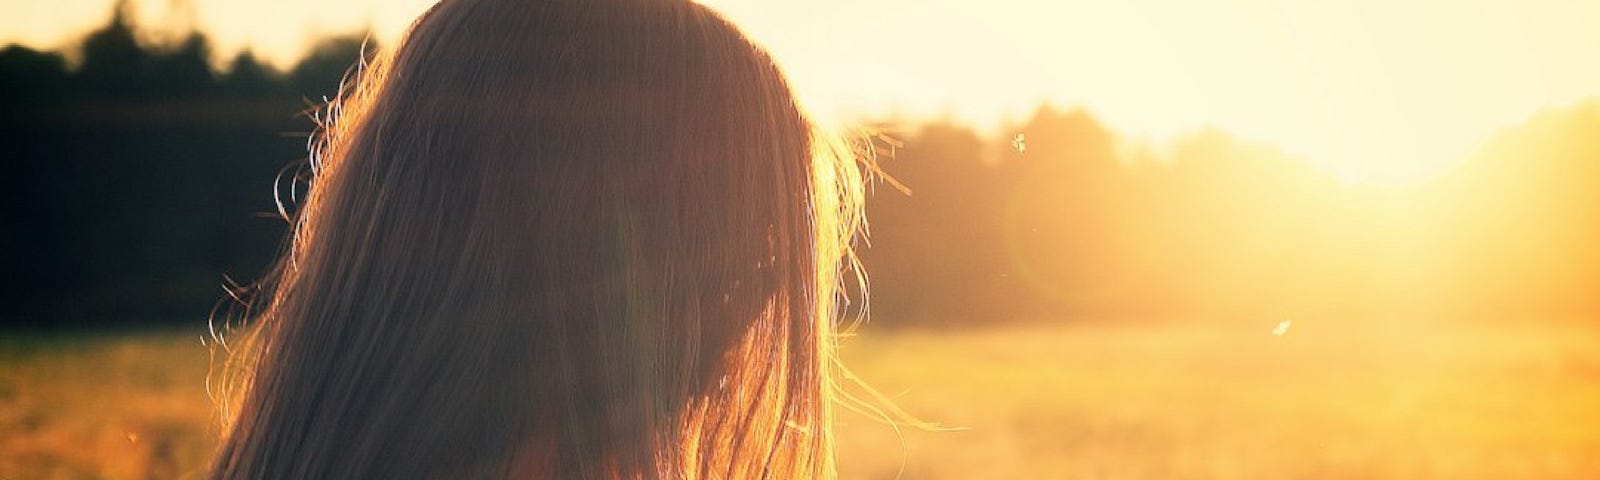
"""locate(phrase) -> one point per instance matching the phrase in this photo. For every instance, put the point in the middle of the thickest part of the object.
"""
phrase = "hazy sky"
(1377, 89)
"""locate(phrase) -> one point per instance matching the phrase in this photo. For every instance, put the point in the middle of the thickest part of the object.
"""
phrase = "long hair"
(560, 238)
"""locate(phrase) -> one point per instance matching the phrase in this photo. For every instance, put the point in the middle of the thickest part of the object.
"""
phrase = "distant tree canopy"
(113, 61)
(1072, 226)
(139, 182)
(329, 59)
(138, 178)
(26, 73)
(116, 66)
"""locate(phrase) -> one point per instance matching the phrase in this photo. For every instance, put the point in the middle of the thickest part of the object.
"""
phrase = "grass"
(114, 407)
(1121, 402)
(1162, 402)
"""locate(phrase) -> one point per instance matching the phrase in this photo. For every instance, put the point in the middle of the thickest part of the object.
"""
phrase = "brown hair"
(564, 238)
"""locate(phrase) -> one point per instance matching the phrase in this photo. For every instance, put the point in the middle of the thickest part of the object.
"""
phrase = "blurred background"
(1143, 239)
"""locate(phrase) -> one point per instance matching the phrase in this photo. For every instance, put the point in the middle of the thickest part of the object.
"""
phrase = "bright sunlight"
(1129, 239)
(1379, 91)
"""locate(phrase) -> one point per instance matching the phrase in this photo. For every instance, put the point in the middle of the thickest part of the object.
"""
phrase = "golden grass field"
(1115, 402)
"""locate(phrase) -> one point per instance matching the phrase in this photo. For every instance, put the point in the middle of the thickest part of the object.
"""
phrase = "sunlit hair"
(560, 238)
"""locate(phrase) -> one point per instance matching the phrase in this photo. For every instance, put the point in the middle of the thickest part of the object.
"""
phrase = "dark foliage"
(139, 183)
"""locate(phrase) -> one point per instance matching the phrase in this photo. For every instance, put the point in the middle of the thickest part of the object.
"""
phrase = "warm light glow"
(1372, 90)
(1228, 239)
(1282, 328)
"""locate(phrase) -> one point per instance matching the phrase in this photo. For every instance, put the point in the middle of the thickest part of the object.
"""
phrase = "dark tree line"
(1080, 224)
(141, 177)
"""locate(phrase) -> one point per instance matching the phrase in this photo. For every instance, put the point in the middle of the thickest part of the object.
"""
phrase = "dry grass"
(113, 407)
(1318, 402)
(1083, 402)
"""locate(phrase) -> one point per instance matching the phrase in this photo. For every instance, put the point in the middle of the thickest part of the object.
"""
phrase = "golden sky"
(1377, 90)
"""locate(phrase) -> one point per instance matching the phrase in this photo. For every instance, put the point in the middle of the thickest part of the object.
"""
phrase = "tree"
(248, 76)
(28, 76)
(113, 62)
(323, 70)
(185, 70)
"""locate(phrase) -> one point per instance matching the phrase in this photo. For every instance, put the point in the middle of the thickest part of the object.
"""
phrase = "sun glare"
(1223, 239)
(1373, 91)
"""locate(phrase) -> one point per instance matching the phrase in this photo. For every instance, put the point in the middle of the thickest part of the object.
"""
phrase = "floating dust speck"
(1282, 328)
(1020, 142)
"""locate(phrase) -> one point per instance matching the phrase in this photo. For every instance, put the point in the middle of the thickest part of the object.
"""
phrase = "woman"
(555, 239)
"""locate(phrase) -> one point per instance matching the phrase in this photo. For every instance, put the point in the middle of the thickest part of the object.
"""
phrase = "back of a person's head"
(553, 239)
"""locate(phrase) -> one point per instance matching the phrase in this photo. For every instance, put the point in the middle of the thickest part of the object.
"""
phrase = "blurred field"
(104, 406)
(1321, 401)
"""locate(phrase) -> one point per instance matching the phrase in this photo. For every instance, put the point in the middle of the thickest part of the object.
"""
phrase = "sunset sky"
(1373, 90)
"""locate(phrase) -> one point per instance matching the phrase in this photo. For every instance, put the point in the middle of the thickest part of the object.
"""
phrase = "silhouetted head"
(556, 238)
